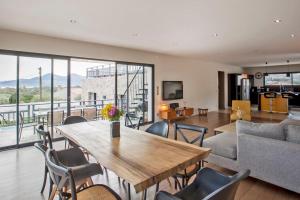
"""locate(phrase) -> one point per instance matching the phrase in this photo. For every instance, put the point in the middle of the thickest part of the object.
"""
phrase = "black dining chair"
(69, 186)
(160, 128)
(74, 119)
(183, 130)
(72, 157)
(208, 185)
(130, 124)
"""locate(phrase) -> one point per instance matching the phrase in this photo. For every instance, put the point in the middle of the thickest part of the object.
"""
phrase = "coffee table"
(229, 128)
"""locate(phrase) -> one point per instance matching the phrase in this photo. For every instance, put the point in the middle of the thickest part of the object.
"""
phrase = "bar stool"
(270, 96)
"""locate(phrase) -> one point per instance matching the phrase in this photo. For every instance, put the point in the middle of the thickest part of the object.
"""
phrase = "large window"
(282, 79)
(40, 89)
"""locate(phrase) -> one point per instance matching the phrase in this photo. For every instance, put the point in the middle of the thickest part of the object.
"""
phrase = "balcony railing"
(29, 111)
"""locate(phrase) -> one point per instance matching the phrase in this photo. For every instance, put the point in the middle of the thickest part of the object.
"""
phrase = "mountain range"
(46, 81)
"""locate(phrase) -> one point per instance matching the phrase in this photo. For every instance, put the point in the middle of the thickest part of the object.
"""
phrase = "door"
(221, 89)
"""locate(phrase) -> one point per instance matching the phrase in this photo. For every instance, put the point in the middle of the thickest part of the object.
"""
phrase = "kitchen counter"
(277, 104)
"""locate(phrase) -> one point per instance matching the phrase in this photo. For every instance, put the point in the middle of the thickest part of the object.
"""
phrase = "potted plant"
(113, 114)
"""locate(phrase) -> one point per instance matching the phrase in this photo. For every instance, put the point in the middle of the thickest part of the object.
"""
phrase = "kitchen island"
(275, 102)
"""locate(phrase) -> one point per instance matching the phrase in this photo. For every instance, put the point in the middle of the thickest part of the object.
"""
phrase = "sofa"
(270, 150)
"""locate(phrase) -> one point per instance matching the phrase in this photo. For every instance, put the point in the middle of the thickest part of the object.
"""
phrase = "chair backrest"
(228, 191)
(130, 124)
(180, 128)
(90, 113)
(74, 120)
(59, 174)
(45, 136)
(76, 112)
(159, 128)
(58, 117)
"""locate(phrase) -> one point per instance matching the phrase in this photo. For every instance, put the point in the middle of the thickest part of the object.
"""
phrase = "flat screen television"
(172, 90)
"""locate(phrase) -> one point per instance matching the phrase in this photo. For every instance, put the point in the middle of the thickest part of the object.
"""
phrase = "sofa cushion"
(267, 130)
(285, 123)
(293, 134)
(223, 144)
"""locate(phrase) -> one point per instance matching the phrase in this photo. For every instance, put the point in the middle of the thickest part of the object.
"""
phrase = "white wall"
(199, 77)
(270, 69)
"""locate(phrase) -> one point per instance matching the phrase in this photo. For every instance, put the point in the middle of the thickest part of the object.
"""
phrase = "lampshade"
(164, 107)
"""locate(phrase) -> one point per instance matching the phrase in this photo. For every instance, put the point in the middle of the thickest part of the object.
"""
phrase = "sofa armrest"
(272, 160)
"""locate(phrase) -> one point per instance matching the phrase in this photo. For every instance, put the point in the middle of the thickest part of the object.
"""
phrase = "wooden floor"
(21, 170)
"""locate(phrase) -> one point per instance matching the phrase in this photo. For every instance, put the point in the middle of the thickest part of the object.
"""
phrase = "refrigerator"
(245, 89)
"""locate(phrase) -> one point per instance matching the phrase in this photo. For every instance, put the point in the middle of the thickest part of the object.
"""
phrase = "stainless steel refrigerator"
(245, 89)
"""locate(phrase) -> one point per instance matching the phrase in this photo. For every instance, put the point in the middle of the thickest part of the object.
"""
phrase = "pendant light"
(288, 74)
(266, 73)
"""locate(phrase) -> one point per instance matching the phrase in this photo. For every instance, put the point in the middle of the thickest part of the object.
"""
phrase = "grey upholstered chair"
(183, 129)
(208, 185)
(65, 178)
(72, 157)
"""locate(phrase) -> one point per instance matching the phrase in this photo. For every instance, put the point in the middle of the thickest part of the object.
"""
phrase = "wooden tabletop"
(138, 157)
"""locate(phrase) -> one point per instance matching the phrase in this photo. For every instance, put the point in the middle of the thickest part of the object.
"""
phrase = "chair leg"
(182, 182)
(128, 190)
(52, 194)
(45, 179)
(168, 179)
(157, 187)
(145, 195)
(50, 187)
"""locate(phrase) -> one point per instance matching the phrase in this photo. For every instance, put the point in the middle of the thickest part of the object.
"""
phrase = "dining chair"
(72, 157)
(58, 117)
(90, 113)
(160, 128)
(184, 130)
(208, 185)
(69, 186)
(130, 124)
(74, 120)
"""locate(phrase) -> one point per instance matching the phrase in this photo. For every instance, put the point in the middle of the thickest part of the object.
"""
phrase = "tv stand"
(177, 114)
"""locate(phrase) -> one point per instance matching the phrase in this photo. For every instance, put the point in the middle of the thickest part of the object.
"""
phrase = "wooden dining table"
(140, 158)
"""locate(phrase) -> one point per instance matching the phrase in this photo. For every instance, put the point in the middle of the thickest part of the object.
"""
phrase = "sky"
(29, 66)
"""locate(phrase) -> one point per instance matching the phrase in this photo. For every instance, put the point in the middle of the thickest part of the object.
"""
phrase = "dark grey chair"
(72, 157)
(159, 128)
(182, 129)
(208, 185)
(73, 120)
(130, 124)
(65, 177)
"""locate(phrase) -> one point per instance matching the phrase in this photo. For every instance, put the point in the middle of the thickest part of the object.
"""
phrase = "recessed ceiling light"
(73, 21)
(292, 35)
(216, 34)
(277, 21)
(135, 34)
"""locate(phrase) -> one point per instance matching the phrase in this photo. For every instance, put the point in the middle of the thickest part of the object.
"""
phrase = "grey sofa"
(270, 151)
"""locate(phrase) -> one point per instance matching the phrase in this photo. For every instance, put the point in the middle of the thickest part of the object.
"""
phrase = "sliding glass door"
(37, 89)
(8, 100)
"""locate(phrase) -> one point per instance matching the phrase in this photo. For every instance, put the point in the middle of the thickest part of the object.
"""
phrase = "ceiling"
(239, 32)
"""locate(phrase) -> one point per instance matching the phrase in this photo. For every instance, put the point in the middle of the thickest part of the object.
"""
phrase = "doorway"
(221, 89)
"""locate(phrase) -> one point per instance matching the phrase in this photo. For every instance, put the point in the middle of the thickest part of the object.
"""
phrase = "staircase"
(136, 92)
